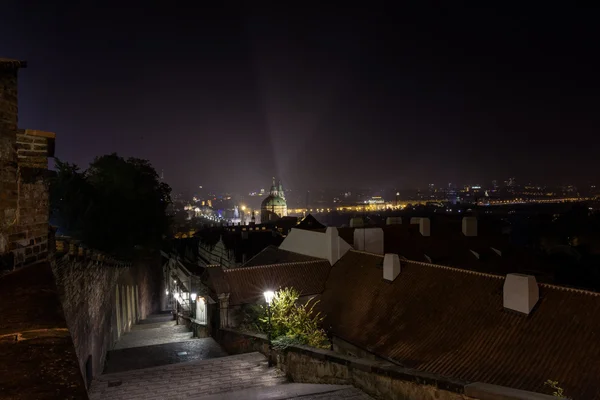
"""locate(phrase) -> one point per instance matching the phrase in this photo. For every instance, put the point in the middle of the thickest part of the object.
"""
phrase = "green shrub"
(558, 391)
(292, 322)
(250, 318)
(283, 342)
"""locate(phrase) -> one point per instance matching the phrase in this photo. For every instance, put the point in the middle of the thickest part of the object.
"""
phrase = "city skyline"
(377, 97)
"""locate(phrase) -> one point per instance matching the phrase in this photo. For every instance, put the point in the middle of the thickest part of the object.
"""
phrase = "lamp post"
(193, 309)
(269, 294)
(176, 296)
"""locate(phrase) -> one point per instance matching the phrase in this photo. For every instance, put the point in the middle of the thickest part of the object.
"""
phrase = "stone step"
(152, 338)
(166, 326)
(291, 391)
(153, 318)
(195, 378)
(154, 325)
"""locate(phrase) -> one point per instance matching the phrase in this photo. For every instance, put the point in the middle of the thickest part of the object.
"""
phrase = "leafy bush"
(250, 318)
(291, 323)
(558, 391)
(283, 342)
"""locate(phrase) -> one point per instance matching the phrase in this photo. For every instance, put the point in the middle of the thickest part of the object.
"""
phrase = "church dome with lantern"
(274, 205)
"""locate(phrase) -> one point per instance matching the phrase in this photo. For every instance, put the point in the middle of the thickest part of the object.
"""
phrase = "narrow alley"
(159, 359)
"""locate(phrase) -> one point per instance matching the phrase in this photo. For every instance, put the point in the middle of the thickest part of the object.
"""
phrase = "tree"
(115, 205)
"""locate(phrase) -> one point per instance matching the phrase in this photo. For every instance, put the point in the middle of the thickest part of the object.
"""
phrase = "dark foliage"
(115, 205)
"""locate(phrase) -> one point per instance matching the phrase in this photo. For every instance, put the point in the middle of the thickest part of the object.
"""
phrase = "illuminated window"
(201, 311)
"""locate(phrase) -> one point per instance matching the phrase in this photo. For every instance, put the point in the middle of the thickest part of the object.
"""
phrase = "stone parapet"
(380, 379)
(76, 250)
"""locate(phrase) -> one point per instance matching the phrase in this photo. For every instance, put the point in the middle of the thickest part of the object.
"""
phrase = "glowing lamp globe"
(269, 295)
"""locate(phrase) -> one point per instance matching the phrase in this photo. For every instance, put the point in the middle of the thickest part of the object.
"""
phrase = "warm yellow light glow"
(269, 295)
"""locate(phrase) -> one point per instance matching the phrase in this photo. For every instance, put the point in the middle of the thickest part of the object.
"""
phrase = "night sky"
(379, 97)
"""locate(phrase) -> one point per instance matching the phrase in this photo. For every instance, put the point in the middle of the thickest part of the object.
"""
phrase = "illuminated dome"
(274, 206)
(273, 201)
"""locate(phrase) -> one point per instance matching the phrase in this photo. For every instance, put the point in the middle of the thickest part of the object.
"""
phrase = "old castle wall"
(102, 299)
(23, 189)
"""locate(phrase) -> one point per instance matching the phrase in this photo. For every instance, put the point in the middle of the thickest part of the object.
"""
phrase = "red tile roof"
(451, 322)
(274, 255)
(247, 284)
(448, 246)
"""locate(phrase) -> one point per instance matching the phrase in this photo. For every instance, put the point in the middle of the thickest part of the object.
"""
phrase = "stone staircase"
(189, 379)
(158, 359)
(150, 334)
(243, 376)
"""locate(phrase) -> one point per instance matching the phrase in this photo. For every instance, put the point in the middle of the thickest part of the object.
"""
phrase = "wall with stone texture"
(380, 379)
(8, 161)
(29, 237)
(23, 190)
(103, 298)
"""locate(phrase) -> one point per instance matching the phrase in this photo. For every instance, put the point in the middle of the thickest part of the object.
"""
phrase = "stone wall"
(8, 159)
(380, 379)
(29, 238)
(23, 189)
(103, 298)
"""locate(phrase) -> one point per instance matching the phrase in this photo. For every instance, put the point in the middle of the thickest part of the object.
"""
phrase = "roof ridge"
(488, 275)
(368, 253)
(275, 265)
(568, 289)
(466, 271)
(256, 255)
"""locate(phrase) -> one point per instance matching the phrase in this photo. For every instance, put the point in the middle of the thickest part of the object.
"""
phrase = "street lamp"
(269, 295)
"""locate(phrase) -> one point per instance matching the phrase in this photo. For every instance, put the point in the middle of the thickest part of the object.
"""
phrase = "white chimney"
(357, 222)
(391, 267)
(425, 226)
(369, 239)
(393, 221)
(469, 226)
(332, 247)
(521, 292)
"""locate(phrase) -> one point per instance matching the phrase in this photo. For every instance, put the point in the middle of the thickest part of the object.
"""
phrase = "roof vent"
(521, 292)
(357, 222)
(391, 267)
(393, 221)
(469, 226)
